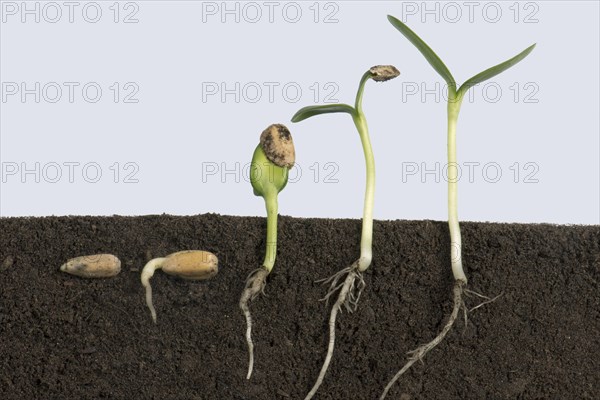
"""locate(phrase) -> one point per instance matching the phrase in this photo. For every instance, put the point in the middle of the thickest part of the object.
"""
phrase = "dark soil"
(63, 337)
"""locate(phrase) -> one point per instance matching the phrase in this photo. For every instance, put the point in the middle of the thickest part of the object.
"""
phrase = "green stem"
(366, 241)
(271, 246)
(359, 94)
(454, 103)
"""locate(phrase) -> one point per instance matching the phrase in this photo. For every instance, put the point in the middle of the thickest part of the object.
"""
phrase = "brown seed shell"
(276, 141)
(94, 266)
(382, 73)
(191, 264)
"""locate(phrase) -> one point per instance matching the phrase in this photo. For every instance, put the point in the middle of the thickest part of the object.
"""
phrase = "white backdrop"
(152, 107)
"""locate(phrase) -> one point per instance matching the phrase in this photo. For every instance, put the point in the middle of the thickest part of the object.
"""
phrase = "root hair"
(349, 294)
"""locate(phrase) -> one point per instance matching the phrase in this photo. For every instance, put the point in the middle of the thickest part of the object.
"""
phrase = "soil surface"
(64, 337)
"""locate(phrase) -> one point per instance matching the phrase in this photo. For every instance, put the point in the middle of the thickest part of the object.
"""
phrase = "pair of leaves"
(441, 68)
(433, 59)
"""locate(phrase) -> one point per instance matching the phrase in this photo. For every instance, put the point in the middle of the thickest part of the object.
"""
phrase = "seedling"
(350, 290)
(455, 98)
(95, 266)
(192, 265)
(272, 159)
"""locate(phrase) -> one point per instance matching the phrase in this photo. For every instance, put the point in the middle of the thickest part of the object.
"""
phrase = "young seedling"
(195, 265)
(350, 290)
(455, 98)
(95, 266)
(271, 162)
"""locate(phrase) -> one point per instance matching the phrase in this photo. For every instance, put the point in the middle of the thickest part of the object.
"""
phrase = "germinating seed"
(95, 266)
(272, 159)
(189, 264)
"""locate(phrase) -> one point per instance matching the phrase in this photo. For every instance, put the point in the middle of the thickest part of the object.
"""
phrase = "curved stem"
(147, 273)
(454, 103)
(359, 94)
(366, 240)
(271, 246)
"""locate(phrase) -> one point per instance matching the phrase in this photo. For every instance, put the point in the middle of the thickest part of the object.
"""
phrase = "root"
(149, 303)
(419, 353)
(488, 300)
(353, 295)
(147, 273)
(255, 284)
(349, 294)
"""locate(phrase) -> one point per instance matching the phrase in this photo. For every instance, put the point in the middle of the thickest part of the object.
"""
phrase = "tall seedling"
(455, 98)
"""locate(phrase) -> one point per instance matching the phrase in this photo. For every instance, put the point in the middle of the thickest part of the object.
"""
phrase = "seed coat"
(94, 266)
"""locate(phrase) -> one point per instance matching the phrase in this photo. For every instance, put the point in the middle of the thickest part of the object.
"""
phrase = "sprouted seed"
(189, 264)
(272, 159)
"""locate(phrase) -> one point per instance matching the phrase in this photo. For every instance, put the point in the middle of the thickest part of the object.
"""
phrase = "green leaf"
(495, 70)
(311, 111)
(429, 54)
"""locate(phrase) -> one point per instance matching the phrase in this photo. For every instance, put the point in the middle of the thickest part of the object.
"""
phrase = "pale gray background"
(171, 132)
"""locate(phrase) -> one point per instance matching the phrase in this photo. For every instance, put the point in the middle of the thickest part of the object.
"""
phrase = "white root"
(348, 297)
(147, 273)
(487, 299)
(255, 284)
(419, 353)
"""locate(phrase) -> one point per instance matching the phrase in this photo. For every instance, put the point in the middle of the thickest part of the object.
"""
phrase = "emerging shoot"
(272, 159)
(193, 265)
(455, 98)
(350, 289)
